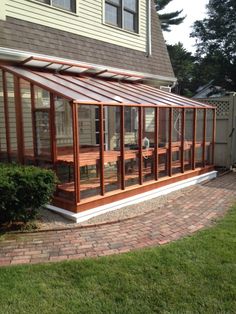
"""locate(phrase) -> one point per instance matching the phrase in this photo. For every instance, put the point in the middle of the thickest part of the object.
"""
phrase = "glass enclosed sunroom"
(106, 139)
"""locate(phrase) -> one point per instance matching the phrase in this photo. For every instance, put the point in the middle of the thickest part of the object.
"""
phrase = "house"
(81, 92)
(210, 90)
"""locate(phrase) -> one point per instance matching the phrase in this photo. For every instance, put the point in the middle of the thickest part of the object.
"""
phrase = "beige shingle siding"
(28, 36)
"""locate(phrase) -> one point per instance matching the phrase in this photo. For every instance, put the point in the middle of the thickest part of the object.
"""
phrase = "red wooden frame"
(156, 142)
(6, 115)
(194, 139)
(182, 140)
(122, 147)
(101, 145)
(76, 203)
(170, 130)
(19, 120)
(140, 143)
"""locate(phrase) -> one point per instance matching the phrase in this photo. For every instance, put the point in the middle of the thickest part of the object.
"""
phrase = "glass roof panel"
(37, 63)
(94, 90)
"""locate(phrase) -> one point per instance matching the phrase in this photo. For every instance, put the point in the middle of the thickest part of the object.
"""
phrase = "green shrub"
(23, 189)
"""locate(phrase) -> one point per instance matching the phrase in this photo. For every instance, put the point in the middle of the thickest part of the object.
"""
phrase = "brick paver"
(182, 216)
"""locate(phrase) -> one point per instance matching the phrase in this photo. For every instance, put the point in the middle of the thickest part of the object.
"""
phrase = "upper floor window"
(122, 13)
(68, 5)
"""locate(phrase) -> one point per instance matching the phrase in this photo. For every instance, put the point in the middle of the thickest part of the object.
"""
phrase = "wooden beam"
(213, 136)
(170, 128)
(32, 95)
(122, 146)
(182, 139)
(101, 141)
(6, 115)
(74, 110)
(194, 139)
(19, 120)
(140, 143)
(53, 139)
(204, 139)
(156, 175)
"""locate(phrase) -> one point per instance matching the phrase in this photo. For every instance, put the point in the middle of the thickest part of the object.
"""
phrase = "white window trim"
(51, 7)
(117, 27)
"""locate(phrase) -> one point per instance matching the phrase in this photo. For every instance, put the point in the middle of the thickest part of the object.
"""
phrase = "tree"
(216, 42)
(168, 19)
(183, 66)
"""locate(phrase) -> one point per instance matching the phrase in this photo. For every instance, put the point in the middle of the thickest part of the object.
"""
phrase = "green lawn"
(193, 275)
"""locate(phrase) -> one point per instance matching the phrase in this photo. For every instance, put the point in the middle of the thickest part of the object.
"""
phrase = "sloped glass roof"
(85, 89)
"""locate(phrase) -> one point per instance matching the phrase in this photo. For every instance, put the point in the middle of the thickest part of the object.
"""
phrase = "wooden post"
(156, 142)
(74, 109)
(170, 142)
(194, 139)
(32, 94)
(101, 140)
(19, 121)
(122, 146)
(6, 115)
(204, 139)
(53, 129)
(140, 143)
(182, 140)
(213, 136)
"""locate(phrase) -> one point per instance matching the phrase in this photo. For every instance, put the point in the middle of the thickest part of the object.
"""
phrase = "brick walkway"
(183, 216)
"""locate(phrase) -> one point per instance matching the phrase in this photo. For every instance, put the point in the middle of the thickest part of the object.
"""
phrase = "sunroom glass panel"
(148, 144)
(89, 151)
(65, 168)
(163, 142)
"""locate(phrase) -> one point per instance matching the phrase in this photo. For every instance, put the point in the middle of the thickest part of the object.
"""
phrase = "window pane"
(116, 2)
(129, 21)
(42, 123)
(89, 155)
(64, 149)
(163, 145)
(209, 136)
(12, 117)
(199, 137)
(112, 160)
(131, 147)
(176, 140)
(44, 1)
(131, 5)
(148, 140)
(42, 98)
(111, 14)
(188, 139)
(128, 119)
(27, 121)
(64, 4)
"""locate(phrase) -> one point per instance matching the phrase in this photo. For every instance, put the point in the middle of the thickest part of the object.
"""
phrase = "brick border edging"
(101, 223)
(80, 226)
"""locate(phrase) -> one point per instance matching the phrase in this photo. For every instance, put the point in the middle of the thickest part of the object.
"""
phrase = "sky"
(195, 10)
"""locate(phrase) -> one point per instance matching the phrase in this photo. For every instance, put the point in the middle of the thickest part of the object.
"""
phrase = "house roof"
(93, 90)
(17, 33)
(210, 91)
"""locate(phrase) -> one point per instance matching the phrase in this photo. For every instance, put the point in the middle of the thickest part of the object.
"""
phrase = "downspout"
(149, 29)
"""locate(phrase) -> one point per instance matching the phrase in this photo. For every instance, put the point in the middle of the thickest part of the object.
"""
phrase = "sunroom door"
(105, 122)
(42, 132)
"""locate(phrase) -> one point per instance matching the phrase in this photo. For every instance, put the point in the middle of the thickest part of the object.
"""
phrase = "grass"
(193, 275)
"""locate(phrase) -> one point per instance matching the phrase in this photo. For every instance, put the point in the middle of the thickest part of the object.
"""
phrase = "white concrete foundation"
(83, 216)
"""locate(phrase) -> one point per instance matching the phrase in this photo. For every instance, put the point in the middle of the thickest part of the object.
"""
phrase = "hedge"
(23, 189)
